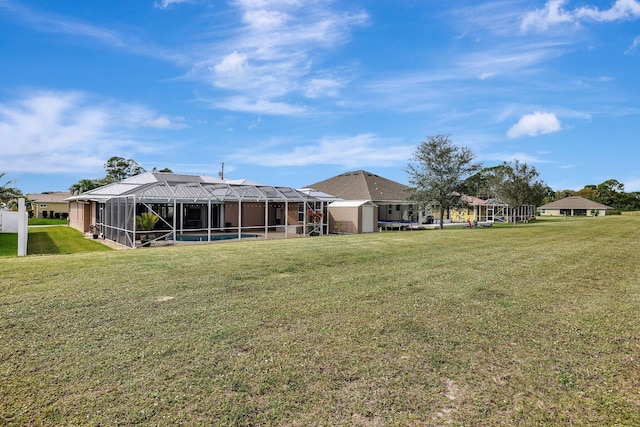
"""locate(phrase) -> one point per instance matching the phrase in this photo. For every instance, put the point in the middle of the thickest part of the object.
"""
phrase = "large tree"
(116, 169)
(561, 194)
(516, 184)
(438, 173)
(119, 168)
(611, 193)
(163, 170)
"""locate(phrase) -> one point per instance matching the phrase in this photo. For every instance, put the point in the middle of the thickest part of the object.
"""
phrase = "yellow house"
(50, 204)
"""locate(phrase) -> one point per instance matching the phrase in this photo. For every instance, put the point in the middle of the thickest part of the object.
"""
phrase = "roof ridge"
(361, 175)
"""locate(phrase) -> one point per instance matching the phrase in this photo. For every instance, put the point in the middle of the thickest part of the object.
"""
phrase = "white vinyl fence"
(9, 221)
(16, 222)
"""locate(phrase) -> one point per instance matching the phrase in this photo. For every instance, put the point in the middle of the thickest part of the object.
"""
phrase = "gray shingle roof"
(53, 197)
(363, 185)
(575, 202)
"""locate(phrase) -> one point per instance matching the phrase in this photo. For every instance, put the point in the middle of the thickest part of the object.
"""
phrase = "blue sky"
(291, 92)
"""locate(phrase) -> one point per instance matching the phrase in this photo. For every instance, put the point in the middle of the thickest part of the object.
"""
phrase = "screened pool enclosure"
(197, 209)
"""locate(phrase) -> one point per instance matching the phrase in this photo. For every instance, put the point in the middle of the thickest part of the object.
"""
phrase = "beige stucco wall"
(348, 216)
(556, 212)
(81, 215)
(56, 207)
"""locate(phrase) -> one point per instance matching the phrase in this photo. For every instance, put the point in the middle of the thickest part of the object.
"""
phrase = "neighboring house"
(396, 211)
(196, 207)
(574, 206)
(390, 197)
(50, 205)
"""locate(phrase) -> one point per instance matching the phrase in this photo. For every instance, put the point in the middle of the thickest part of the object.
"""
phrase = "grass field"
(8, 244)
(536, 324)
(60, 240)
(47, 221)
(47, 240)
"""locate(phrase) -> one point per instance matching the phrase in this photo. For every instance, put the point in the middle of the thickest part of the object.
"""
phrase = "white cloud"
(319, 87)
(53, 23)
(47, 131)
(551, 14)
(535, 124)
(83, 32)
(275, 53)
(621, 10)
(259, 106)
(554, 13)
(508, 59)
(137, 116)
(165, 4)
(351, 151)
(264, 20)
(634, 45)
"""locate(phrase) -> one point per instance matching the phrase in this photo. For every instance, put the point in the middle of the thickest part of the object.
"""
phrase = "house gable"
(363, 185)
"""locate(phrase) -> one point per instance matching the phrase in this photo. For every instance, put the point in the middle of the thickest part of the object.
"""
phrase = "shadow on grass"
(41, 244)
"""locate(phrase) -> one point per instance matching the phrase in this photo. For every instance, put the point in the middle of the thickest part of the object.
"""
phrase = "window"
(300, 212)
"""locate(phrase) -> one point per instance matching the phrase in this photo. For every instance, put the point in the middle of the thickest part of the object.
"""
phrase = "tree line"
(441, 173)
(609, 192)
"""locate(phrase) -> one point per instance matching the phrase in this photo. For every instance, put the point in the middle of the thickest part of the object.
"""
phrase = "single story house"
(390, 197)
(396, 211)
(50, 205)
(197, 208)
(574, 206)
(490, 210)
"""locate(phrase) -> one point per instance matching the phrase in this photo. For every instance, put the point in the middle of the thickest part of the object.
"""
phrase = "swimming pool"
(214, 237)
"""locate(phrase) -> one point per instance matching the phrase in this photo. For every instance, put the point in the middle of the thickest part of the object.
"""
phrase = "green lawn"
(60, 240)
(536, 324)
(47, 221)
(47, 240)
(8, 244)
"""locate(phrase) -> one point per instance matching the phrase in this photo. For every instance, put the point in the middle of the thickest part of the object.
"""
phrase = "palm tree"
(147, 220)
(7, 192)
(84, 185)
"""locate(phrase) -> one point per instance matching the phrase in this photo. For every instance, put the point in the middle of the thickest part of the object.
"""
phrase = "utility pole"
(221, 173)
